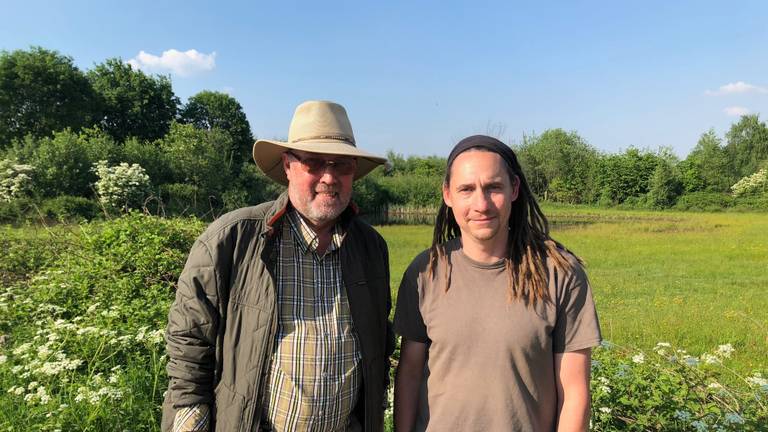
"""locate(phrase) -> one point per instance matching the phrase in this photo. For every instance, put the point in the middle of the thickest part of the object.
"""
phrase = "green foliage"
(430, 166)
(67, 208)
(151, 157)
(62, 165)
(559, 165)
(42, 91)
(747, 144)
(215, 110)
(16, 211)
(704, 201)
(369, 195)
(195, 158)
(665, 186)
(707, 167)
(133, 104)
(253, 187)
(621, 176)
(419, 191)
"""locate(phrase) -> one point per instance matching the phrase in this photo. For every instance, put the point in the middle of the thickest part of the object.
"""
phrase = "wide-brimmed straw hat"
(317, 127)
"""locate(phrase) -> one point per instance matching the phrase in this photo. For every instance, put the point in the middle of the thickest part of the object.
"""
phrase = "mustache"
(324, 188)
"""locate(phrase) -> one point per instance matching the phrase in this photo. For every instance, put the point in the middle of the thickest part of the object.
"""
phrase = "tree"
(620, 176)
(134, 104)
(664, 186)
(747, 144)
(707, 168)
(208, 110)
(199, 169)
(559, 165)
(42, 91)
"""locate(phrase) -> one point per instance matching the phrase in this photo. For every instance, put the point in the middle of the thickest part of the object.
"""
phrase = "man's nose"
(329, 175)
(481, 201)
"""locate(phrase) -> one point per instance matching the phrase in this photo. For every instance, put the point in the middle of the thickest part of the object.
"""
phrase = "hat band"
(334, 137)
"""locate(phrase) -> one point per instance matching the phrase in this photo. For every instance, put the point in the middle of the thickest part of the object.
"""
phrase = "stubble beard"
(320, 208)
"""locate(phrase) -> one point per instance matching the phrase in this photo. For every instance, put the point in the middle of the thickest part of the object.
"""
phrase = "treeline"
(77, 144)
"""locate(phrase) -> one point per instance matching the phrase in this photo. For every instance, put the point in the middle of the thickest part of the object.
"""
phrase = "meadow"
(681, 299)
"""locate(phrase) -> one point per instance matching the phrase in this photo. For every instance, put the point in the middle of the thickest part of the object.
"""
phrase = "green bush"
(704, 201)
(417, 191)
(67, 208)
(757, 202)
(16, 211)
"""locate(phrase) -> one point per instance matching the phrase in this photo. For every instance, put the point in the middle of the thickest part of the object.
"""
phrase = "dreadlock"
(529, 242)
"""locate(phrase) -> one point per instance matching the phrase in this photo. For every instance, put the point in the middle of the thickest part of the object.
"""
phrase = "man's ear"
(286, 164)
(515, 187)
(447, 195)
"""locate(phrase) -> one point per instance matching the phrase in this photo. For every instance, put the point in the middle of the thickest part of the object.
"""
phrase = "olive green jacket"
(222, 324)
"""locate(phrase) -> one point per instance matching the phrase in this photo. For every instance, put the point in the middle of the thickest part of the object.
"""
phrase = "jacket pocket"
(229, 410)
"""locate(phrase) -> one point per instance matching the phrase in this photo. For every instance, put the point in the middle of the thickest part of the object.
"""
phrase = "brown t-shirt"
(490, 363)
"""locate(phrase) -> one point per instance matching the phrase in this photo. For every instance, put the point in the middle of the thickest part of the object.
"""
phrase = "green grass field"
(694, 280)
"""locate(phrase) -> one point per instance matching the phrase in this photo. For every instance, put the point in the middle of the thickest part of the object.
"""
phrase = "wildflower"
(605, 410)
(639, 358)
(709, 358)
(23, 348)
(3, 359)
(725, 351)
(714, 385)
(757, 380)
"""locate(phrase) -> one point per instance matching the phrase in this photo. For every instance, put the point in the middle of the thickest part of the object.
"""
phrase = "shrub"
(418, 191)
(704, 201)
(62, 166)
(67, 208)
(121, 187)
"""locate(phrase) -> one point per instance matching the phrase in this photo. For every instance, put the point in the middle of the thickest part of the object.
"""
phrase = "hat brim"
(268, 156)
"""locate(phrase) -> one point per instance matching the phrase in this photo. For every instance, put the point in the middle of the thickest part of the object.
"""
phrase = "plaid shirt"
(315, 373)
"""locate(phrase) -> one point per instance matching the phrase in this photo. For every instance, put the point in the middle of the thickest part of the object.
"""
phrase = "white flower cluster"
(100, 389)
(755, 182)
(122, 186)
(15, 180)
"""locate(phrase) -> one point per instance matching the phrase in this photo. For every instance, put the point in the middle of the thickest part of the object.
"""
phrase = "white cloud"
(183, 64)
(736, 88)
(736, 111)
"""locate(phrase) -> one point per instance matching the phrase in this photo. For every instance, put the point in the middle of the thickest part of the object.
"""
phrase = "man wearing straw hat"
(280, 321)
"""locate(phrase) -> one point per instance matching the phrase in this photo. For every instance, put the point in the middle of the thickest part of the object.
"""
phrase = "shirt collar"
(308, 239)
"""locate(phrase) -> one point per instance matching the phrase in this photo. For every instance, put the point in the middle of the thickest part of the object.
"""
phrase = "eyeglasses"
(315, 166)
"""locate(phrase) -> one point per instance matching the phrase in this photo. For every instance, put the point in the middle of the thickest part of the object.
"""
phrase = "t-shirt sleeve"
(577, 326)
(408, 320)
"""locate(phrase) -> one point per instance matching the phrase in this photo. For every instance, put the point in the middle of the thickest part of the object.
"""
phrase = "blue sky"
(418, 76)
